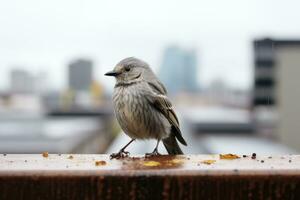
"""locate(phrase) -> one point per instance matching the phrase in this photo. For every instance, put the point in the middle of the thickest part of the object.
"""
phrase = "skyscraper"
(179, 70)
(80, 74)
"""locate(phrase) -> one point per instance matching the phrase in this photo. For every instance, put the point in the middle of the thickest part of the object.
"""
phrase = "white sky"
(45, 35)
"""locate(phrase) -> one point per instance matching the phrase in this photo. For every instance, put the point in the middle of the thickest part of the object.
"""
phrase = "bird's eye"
(127, 69)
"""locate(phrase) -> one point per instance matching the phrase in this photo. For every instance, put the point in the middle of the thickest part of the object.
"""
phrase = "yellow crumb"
(229, 156)
(151, 163)
(45, 154)
(100, 163)
(208, 162)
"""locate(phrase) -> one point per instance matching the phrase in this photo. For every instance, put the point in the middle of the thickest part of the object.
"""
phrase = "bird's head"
(129, 70)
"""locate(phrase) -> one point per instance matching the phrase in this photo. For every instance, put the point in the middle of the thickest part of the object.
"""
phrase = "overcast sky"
(45, 35)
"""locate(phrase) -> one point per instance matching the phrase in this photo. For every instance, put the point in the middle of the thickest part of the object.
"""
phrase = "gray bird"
(142, 108)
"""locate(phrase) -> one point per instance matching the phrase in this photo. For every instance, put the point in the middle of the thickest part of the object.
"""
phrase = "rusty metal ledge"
(34, 176)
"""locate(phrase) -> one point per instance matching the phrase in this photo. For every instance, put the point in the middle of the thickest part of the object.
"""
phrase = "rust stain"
(155, 162)
(229, 156)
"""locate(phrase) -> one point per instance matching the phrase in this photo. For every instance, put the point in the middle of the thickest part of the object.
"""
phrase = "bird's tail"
(171, 145)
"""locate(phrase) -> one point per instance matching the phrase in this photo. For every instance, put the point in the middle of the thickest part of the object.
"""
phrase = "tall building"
(80, 74)
(277, 69)
(179, 70)
(21, 81)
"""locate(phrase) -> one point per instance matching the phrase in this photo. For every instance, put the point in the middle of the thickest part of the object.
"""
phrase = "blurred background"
(231, 69)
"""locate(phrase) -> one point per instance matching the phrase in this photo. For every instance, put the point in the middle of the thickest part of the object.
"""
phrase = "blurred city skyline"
(47, 36)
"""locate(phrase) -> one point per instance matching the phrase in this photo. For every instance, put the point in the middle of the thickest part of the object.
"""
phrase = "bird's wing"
(157, 87)
(164, 106)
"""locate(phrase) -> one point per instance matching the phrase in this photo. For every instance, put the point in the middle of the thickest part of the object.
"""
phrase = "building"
(21, 81)
(179, 70)
(276, 82)
(264, 79)
(80, 75)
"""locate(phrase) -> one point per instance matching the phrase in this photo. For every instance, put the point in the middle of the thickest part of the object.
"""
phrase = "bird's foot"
(154, 153)
(119, 155)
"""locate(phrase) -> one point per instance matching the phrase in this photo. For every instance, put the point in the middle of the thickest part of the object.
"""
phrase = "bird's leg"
(122, 153)
(155, 151)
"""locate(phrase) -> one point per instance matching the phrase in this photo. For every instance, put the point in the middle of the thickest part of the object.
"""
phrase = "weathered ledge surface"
(66, 176)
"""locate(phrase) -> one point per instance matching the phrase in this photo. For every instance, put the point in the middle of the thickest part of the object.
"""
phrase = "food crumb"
(151, 163)
(100, 163)
(290, 161)
(229, 156)
(253, 156)
(25, 161)
(70, 157)
(262, 161)
(4, 154)
(270, 157)
(208, 162)
(244, 156)
(45, 154)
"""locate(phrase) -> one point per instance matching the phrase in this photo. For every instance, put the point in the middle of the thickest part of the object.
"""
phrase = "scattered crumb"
(290, 161)
(59, 154)
(208, 162)
(4, 154)
(45, 154)
(229, 156)
(176, 161)
(262, 161)
(270, 157)
(253, 156)
(100, 163)
(245, 156)
(70, 157)
(25, 161)
(151, 163)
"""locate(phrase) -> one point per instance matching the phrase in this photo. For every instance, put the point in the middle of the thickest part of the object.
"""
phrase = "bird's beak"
(112, 73)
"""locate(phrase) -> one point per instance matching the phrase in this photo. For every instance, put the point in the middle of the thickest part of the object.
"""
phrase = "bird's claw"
(154, 153)
(119, 155)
